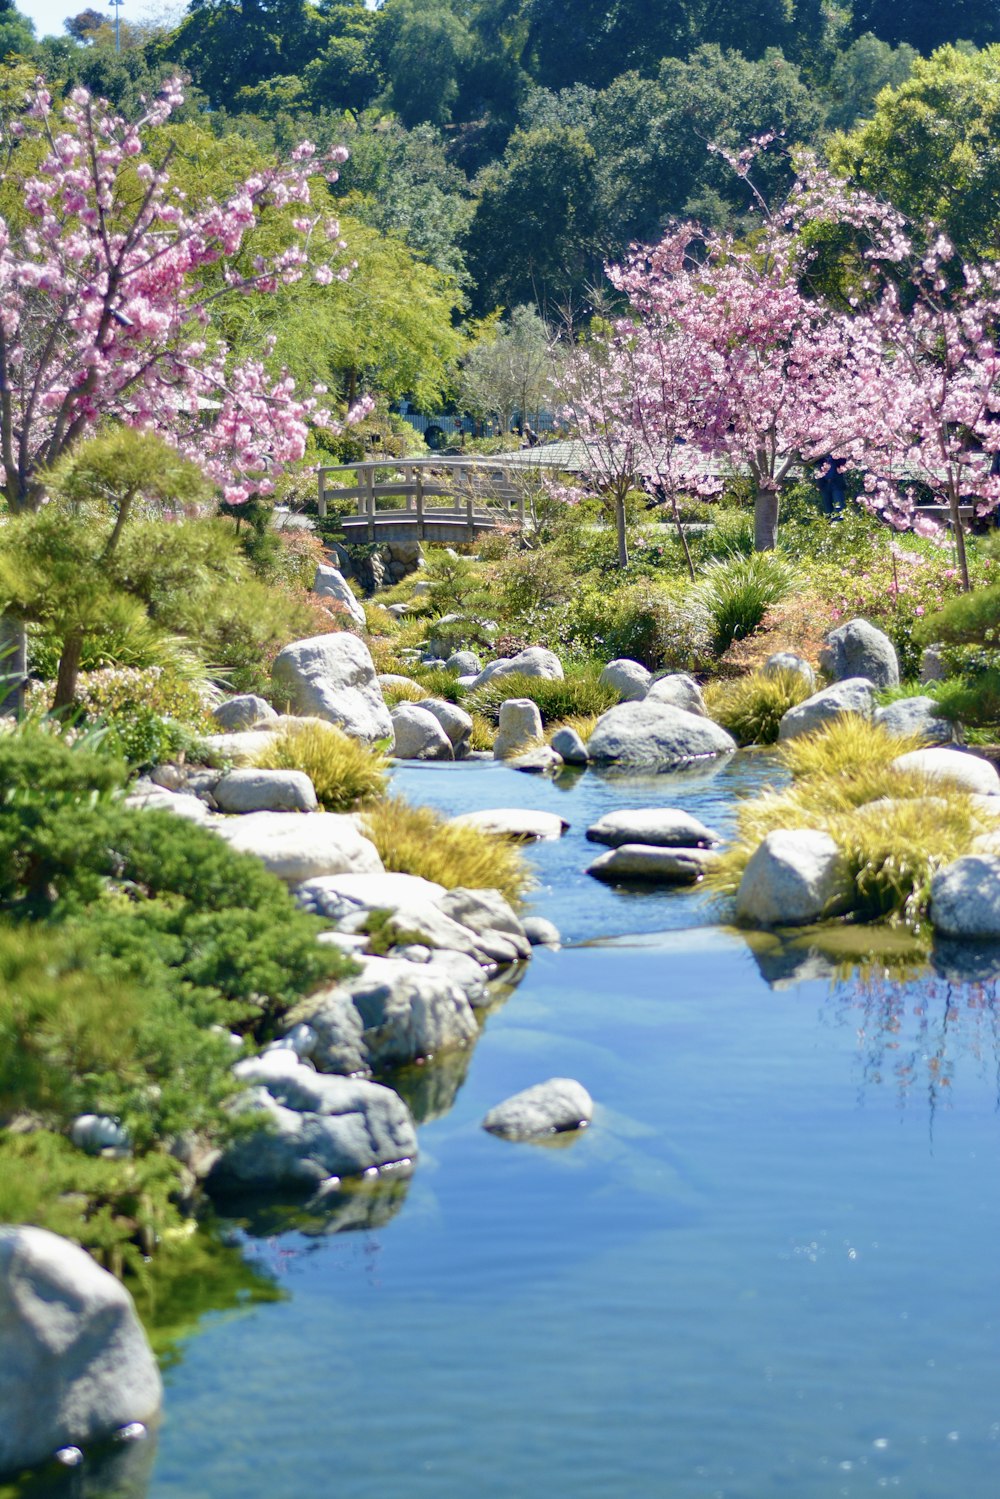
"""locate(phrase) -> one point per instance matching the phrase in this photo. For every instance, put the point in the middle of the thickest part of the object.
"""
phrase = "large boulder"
(680, 690)
(330, 584)
(656, 735)
(456, 723)
(919, 716)
(242, 712)
(534, 661)
(520, 726)
(796, 876)
(548, 1108)
(858, 649)
(965, 897)
(788, 661)
(313, 1128)
(333, 677)
(519, 823)
(75, 1365)
(488, 914)
(661, 827)
(265, 791)
(855, 695)
(335, 895)
(630, 679)
(417, 735)
(652, 865)
(951, 767)
(302, 848)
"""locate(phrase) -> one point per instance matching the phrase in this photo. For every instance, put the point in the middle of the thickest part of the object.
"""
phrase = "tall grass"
(737, 591)
(418, 840)
(751, 708)
(582, 692)
(344, 772)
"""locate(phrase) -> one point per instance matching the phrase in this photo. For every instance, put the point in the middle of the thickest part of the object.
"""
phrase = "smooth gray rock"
(657, 735)
(241, 748)
(788, 661)
(456, 723)
(952, 767)
(520, 723)
(148, 797)
(657, 865)
(932, 666)
(266, 791)
(334, 1127)
(853, 695)
(519, 823)
(539, 760)
(464, 664)
(679, 690)
(242, 712)
(302, 848)
(486, 912)
(388, 679)
(569, 746)
(333, 677)
(916, 715)
(535, 661)
(334, 895)
(965, 897)
(662, 827)
(796, 876)
(330, 584)
(541, 932)
(548, 1108)
(75, 1365)
(417, 735)
(858, 649)
(630, 679)
(97, 1133)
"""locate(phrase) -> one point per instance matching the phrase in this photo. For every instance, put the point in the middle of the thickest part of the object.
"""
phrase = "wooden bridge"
(478, 496)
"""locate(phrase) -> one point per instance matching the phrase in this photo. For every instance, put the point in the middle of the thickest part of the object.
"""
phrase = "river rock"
(242, 712)
(148, 797)
(541, 932)
(796, 876)
(417, 735)
(655, 734)
(539, 760)
(302, 848)
(630, 679)
(75, 1365)
(334, 895)
(662, 866)
(852, 695)
(662, 827)
(266, 791)
(487, 913)
(330, 584)
(952, 767)
(916, 715)
(680, 690)
(333, 677)
(335, 1127)
(535, 661)
(98, 1133)
(548, 1108)
(390, 679)
(858, 649)
(788, 661)
(965, 897)
(464, 664)
(569, 746)
(519, 823)
(456, 723)
(520, 723)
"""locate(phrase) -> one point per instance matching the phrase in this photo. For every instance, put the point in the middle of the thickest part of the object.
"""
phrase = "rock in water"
(456, 723)
(858, 649)
(661, 827)
(520, 724)
(658, 735)
(75, 1365)
(797, 875)
(517, 823)
(541, 932)
(569, 746)
(546, 1109)
(965, 897)
(417, 735)
(658, 866)
(333, 677)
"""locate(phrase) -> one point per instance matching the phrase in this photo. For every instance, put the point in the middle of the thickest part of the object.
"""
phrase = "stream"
(770, 1268)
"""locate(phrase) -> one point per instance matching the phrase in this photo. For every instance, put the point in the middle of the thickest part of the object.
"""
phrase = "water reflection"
(117, 1470)
(336, 1207)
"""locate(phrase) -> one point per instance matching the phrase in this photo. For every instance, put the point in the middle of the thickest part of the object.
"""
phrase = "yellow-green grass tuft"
(418, 840)
(484, 733)
(583, 723)
(345, 772)
(403, 692)
(751, 708)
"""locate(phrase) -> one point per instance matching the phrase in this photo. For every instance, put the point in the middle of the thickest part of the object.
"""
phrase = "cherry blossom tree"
(108, 278)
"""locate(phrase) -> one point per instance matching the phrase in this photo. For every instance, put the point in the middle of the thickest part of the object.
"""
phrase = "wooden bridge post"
(408, 480)
(370, 487)
(470, 515)
(420, 504)
(321, 497)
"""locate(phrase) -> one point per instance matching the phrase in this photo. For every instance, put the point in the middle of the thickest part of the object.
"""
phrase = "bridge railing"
(476, 491)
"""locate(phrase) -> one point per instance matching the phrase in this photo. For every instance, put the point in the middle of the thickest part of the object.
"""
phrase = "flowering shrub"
(151, 714)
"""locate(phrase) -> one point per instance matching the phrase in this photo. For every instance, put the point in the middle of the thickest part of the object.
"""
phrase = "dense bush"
(738, 591)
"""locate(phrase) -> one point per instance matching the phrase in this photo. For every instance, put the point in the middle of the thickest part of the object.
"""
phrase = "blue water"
(769, 1268)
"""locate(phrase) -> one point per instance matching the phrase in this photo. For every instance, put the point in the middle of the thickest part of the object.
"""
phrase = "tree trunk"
(621, 530)
(13, 666)
(69, 670)
(959, 530)
(765, 520)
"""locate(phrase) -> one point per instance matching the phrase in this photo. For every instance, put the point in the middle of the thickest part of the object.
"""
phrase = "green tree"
(508, 369)
(860, 73)
(926, 24)
(423, 46)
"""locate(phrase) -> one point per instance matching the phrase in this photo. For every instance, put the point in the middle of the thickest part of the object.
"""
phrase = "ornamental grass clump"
(894, 829)
(418, 840)
(581, 692)
(751, 708)
(738, 591)
(345, 773)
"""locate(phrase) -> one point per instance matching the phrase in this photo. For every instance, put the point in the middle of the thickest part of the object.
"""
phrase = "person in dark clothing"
(832, 486)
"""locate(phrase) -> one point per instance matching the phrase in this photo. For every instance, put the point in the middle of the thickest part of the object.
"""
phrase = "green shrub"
(609, 621)
(344, 772)
(751, 708)
(418, 840)
(737, 592)
(581, 692)
(437, 682)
